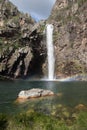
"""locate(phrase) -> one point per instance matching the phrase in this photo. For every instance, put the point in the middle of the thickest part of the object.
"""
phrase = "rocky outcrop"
(22, 51)
(22, 46)
(34, 93)
(70, 37)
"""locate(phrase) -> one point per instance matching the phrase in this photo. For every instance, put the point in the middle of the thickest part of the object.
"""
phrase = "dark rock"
(22, 52)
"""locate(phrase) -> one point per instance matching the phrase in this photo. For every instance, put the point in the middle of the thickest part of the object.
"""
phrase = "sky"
(38, 9)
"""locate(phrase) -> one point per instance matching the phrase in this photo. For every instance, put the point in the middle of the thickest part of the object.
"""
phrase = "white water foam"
(50, 51)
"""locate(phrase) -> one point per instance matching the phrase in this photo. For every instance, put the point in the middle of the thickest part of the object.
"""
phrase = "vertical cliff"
(69, 18)
(21, 43)
(23, 50)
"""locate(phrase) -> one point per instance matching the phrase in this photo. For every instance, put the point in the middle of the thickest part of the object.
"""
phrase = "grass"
(32, 120)
(82, 120)
(36, 121)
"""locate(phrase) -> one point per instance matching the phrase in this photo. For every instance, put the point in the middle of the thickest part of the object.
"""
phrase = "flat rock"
(34, 93)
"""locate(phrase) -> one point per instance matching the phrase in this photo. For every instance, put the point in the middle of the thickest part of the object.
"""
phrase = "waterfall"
(50, 51)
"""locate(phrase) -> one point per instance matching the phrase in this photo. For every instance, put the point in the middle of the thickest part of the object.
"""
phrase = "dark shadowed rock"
(22, 52)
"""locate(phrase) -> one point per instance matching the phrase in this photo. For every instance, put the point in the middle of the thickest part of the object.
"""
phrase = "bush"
(3, 121)
(82, 120)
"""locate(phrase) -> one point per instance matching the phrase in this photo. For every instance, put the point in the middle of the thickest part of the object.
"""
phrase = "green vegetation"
(62, 118)
(3, 121)
(81, 2)
(42, 28)
(15, 20)
(6, 44)
(32, 121)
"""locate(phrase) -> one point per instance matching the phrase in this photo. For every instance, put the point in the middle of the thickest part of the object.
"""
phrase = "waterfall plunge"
(50, 51)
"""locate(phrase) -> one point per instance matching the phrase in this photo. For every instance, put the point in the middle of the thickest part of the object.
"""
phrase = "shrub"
(3, 121)
(82, 120)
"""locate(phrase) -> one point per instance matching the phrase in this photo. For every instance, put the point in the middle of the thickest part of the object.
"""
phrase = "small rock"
(80, 107)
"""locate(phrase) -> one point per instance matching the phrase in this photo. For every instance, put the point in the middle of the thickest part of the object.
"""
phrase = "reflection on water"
(67, 93)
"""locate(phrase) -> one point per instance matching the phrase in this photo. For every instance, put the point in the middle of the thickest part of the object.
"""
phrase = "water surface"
(72, 94)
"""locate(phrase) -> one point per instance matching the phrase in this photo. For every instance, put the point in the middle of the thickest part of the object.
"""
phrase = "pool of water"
(71, 94)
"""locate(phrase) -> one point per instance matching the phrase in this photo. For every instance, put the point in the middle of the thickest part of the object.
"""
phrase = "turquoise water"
(72, 94)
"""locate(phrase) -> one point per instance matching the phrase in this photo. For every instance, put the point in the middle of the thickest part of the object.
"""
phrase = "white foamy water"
(50, 51)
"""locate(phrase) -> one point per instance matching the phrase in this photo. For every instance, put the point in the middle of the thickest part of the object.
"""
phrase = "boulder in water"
(34, 93)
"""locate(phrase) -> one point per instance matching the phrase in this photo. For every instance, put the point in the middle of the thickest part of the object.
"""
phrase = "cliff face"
(21, 48)
(69, 18)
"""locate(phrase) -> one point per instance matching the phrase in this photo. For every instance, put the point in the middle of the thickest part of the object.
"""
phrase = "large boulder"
(34, 93)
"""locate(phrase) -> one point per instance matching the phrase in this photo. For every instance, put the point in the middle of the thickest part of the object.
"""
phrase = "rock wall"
(23, 48)
(69, 18)
(22, 51)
